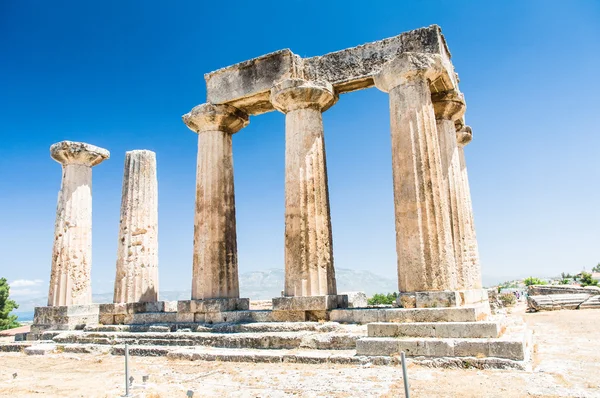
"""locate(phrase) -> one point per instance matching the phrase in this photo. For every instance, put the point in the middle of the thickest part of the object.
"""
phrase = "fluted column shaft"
(449, 106)
(137, 251)
(423, 235)
(215, 268)
(70, 282)
(309, 269)
(471, 263)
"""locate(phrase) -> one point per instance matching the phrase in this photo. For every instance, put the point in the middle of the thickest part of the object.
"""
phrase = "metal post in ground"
(404, 375)
(126, 371)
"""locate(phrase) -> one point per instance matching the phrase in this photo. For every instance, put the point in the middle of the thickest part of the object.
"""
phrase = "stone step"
(271, 340)
(447, 314)
(307, 356)
(259, 327)
(514, 348)
(592, 302)
(435, 329)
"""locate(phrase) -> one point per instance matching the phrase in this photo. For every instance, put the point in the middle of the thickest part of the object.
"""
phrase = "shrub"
(533, 281)
(508, 299)
(586, 280)
(381, 298)
(565, 282)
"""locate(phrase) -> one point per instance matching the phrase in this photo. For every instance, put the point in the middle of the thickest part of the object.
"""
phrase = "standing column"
(70, 282)
(423, 235)
(471, 264)
(137, 253)
(215, 269)
(309, 267)
(449, 106)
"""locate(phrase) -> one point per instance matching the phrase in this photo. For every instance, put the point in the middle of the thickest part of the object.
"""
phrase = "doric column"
(70, 282)
(215, 269)
(471, 265)
(423, 235)
(137, 250)
(450, 106)
(309, 267)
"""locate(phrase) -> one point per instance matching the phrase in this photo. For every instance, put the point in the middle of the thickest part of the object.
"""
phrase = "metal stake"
(404, 375)
(126, 370)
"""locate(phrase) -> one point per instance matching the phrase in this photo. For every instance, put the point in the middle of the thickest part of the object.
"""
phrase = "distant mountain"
(261, 285)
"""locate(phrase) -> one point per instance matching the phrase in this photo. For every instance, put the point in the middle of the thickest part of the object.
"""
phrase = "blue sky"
(119, 74)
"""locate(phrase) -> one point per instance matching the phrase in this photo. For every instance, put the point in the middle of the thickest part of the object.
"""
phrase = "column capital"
(406, 67)
(464, 135)
(292, 94)
(210, 117)
(449, 105)
(69, 152)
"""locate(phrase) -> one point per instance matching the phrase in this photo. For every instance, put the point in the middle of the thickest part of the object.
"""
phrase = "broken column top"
(69, 152)
(247, 85)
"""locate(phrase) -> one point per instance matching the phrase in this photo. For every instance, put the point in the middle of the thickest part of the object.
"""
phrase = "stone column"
(471, 265)
(309, 267)
(423, 234)
(70, 282)
(215, 269)
(137, 250)
(449, 106)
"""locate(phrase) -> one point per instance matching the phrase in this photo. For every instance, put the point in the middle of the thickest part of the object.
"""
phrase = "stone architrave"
(450, 106)
(423, 234)
(215, 267)
(471, 265)
(137, 254)
(309, 267)
(70, 282)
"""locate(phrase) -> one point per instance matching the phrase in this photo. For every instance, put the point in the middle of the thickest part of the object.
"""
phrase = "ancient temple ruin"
(439, 277)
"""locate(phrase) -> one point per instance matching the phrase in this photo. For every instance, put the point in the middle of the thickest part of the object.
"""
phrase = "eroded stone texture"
(246, 85)
(72, 250)
(308, 241)
(215, 269)
(471, 268)
(423, 234)
(450, 106)
(137, 251)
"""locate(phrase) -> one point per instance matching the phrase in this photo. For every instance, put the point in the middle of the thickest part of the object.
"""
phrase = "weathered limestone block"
(423, 233)
(471, 267)
(63, 318)
(312, 303)
(72, 250)
(246, 85)
(449, 106)
(356, 299)
(137, 254)
(308, 241)
(215, 269)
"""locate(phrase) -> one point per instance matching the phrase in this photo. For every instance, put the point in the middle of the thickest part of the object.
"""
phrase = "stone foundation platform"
(445, 298)
(466, 335)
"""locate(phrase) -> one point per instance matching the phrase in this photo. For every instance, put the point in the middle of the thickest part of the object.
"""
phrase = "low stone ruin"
(558, 297)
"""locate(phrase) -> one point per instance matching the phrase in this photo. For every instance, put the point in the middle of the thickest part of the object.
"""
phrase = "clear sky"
(119, 74)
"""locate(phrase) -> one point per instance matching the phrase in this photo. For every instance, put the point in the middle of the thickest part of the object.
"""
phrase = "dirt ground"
(566, 363)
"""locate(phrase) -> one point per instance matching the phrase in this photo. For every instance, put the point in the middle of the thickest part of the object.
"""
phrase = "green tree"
(564, 281)
(533, 281)
(586, 280)
(7, 321)
(380, 298)
(596, 268)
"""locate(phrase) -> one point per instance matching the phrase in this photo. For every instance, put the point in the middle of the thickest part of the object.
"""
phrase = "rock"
(356, 299)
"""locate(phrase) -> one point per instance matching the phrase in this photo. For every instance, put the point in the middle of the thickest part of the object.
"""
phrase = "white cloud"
(26, 292)
(24, 283)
